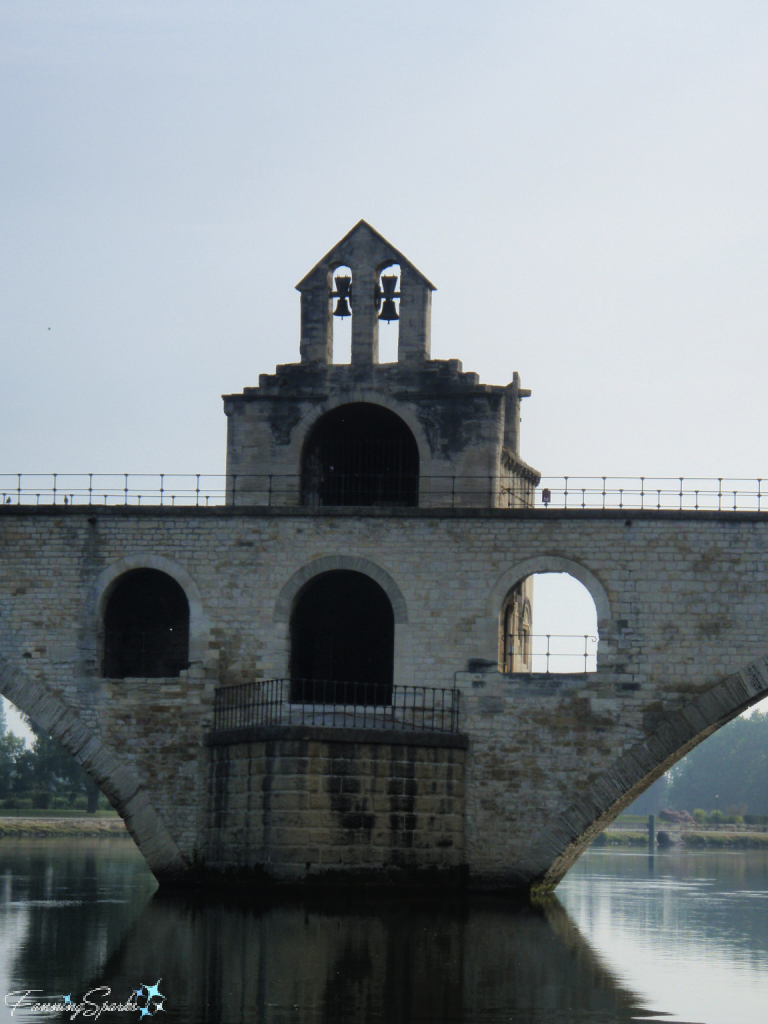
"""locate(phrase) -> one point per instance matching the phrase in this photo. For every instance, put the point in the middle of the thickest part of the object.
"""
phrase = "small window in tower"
(342, 299)
(146, 627)
(388, 312)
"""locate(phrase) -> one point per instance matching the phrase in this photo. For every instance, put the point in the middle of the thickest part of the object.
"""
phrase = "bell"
(388, 311)
(342, 308)
(388, 308)
(343, 293)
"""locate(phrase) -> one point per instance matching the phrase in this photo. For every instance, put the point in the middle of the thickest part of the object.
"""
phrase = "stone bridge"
(541, 764)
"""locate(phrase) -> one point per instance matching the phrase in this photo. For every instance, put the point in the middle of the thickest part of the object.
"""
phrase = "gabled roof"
(338, 252)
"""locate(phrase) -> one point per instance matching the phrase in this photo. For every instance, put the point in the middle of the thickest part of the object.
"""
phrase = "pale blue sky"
(586, 183)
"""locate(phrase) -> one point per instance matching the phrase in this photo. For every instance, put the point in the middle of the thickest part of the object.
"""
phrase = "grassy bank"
(26, 812)
(688, 840)
(49, 827)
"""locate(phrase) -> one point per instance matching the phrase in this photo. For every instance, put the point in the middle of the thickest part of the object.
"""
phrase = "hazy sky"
(585, 182)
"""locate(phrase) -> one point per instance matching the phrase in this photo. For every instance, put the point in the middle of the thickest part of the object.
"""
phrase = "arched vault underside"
(567, 834)
(116, 781)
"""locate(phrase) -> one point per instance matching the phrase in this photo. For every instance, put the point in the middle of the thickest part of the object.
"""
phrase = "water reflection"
(66, 905)
(405, 962)
(676, 933)
(83, 914)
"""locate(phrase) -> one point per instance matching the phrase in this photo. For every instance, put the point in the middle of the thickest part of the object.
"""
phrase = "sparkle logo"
(149, 998)
(146, 1000)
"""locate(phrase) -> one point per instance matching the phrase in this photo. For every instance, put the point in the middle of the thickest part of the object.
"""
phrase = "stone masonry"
(683, 621)
(541, 763)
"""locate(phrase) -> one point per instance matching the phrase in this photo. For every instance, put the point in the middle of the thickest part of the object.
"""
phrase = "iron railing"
(717, 494)
(714, 494)
(551, 653)
(399, 708)
(270, 490)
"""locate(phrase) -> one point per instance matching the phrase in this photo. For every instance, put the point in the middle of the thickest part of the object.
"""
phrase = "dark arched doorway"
(342, 641)
(146, 627)
(360, 454)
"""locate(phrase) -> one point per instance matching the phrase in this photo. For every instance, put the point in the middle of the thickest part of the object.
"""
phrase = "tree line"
(43, 775)
(727, 773)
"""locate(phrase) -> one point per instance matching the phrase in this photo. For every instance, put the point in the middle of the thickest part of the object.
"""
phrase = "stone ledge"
(628, 516)
(328, 734)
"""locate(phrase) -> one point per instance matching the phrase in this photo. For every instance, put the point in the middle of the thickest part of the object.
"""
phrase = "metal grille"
(403, 708)
(361, 471)
(145, 654)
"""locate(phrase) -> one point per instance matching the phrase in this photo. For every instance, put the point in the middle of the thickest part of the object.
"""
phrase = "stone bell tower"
(367, 255)
(416, 433)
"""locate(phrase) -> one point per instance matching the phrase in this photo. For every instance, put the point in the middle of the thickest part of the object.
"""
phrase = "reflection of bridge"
(298, 575)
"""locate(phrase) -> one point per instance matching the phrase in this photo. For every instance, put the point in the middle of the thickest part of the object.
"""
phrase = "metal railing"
(264, 489)
(547, 652)
(718, 494)
(274, 702)
(715, 494)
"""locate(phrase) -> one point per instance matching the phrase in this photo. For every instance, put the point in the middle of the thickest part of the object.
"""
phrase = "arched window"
(146, 627)
(360, 454)
(342, 641)
(548, 625)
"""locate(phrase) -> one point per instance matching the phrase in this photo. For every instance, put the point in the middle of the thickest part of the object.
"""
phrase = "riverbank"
(44, 827)
(665, 839)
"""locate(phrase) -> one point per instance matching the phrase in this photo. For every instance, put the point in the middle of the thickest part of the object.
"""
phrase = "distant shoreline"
(52, 828)
(688, 840)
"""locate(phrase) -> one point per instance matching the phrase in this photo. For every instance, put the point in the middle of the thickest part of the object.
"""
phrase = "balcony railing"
(334, 704)
(551, 653)
(716, 494)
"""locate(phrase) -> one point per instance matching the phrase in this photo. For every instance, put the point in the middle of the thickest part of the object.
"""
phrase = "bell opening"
(342, 299)
(388, 312)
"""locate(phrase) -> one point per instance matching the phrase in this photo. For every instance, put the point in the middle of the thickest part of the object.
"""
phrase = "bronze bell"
(388, 308)
(343, 293)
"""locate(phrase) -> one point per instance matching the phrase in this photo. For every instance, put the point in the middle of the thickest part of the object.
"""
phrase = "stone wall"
(682, 601)
(301, 804)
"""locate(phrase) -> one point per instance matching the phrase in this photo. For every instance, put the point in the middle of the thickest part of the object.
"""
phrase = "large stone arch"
(550, 563)
(102, 587)
(567, 833)
(304, 427)
(281, 616)
(291, 589)
(119, 784)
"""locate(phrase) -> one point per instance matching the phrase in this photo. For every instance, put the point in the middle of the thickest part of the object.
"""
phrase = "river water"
(676, 937)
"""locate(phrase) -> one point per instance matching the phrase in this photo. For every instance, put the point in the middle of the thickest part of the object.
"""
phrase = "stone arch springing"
(117, 782)
(360, 454)
(672, 735)
(342, 641)
(146, 627)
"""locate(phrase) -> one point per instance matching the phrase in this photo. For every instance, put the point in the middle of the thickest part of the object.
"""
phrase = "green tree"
(53, 770)
(728, 770)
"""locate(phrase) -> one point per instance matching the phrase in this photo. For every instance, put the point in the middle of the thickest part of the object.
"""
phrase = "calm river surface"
(683, 937)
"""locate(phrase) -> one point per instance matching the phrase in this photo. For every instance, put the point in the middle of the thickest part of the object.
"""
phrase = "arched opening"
(360, 454)
(556, 633)
(341, 315)
(342, 641)
(388, 312)
(146, 627)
